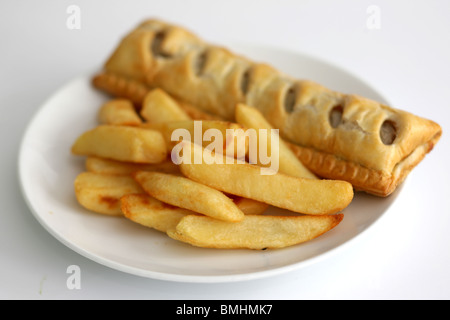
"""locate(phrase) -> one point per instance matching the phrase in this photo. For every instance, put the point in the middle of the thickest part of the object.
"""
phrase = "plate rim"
(180, 277)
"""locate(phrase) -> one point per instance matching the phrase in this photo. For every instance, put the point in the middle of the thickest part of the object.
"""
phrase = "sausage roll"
(336, 135)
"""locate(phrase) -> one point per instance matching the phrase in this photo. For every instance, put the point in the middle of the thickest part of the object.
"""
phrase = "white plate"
(47, 171)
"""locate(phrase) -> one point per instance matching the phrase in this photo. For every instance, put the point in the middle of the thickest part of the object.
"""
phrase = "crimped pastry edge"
(371, 181)
(119, 86)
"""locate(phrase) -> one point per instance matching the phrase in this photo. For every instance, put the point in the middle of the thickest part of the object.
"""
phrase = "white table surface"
(404, 256)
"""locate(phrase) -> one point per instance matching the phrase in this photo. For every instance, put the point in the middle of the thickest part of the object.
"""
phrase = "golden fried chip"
(152, 213)
(309, 196)
(119, 112)
(185, 193)
(253, 232)
(288, 163)
(158, 106)
(102, 165)
(101, 193)
(122, 143)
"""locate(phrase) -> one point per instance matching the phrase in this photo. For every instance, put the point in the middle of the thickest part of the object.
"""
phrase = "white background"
(405, 256)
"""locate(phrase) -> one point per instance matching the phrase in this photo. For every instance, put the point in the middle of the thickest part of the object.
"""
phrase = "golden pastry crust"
(336, 135)
(119, 86)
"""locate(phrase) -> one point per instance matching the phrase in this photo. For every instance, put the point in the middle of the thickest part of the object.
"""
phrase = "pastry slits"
(340, 136)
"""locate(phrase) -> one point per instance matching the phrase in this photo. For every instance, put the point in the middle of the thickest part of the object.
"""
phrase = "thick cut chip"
(249, 206)
(185, 193)
(122, 143)
(288, 163)
(102, 165)
(101, 193)
(308, 196)
(219, 136)
(152, 213)
(158, 106)
(119, 112)
(254, 232)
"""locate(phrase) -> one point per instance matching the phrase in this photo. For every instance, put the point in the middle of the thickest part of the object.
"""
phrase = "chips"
(155, 214)
(158, 106)
(221, 136)
(249, 206)
(299, 195)
(122, 143)
(254, 232)
(119, 112)
(108, 166)
(136, 168)
(101, 193)
(188, 194)
(152, 213)
(288, 163)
